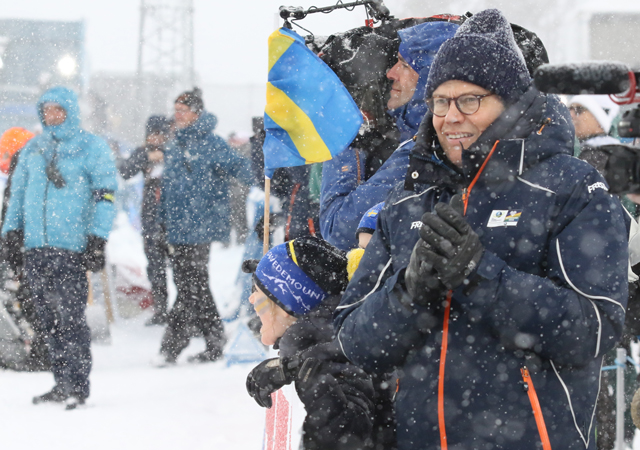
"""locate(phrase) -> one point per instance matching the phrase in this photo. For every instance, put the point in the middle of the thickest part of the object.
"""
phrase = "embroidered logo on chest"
(504, 218)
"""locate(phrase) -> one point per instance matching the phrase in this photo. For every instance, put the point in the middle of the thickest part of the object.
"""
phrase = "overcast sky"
(230, 37)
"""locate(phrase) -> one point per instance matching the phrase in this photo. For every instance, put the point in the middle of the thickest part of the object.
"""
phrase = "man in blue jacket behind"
(61, 211)
(195, 210)
(346, 195)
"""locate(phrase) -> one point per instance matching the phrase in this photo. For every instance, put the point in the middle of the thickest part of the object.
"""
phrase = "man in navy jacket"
(496, 308)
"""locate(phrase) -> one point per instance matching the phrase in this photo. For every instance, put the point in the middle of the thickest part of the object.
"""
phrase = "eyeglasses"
(467, 104)
(577, 109)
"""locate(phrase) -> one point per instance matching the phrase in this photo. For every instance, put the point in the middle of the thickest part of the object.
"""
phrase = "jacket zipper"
(443, 357)
(44, 207)
(535, 405)
(445, 325)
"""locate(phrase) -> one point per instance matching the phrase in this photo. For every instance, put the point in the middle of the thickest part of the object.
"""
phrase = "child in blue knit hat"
(298, 284)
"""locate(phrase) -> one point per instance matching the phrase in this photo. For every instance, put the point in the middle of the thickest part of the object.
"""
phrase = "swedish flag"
(310, 116)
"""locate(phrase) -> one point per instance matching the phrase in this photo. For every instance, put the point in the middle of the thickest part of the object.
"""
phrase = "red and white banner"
(284, 420)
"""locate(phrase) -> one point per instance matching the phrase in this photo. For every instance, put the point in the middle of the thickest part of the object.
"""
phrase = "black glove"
(13, 244)
(93, 257)
(420, 277)
(266, 378)
(456, 248)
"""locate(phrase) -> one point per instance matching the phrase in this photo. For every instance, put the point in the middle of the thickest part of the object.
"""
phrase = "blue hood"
(69, 101)
(418, 46)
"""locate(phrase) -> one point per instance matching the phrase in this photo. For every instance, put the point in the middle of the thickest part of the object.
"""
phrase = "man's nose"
(453, 115)
(391, 74)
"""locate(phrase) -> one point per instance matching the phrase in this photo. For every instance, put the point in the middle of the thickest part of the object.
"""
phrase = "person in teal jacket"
(59, 216)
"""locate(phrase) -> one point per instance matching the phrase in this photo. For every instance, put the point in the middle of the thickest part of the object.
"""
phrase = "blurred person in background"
(592, 116)
(60, 214)
(149, 159)
(11, 142)
(239, 190)
(195, 211)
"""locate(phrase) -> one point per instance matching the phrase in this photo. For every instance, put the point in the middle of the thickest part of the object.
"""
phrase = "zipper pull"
(395, 394)
(525, 378)
(465, 200)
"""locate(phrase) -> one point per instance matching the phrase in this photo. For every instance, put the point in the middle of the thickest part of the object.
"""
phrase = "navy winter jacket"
(63, 217)
(196, 183)
(548, 294)
(346, 194)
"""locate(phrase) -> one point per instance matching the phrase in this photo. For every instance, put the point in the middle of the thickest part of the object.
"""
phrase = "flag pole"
(267, 194)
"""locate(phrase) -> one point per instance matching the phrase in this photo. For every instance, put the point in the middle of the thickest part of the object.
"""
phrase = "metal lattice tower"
(166, 40)
(165, 54)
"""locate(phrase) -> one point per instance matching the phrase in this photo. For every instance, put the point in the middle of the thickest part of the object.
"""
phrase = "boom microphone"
(595, 77)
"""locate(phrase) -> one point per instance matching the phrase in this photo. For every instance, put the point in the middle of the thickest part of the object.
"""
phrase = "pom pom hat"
(482, 52)
(298, 275)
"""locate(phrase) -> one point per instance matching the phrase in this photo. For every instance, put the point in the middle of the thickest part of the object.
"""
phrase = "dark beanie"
(482, 52)
(158, 124)
(193, 99)
(299, 274)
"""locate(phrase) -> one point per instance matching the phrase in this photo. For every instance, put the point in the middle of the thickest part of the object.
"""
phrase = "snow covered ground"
(134, 405)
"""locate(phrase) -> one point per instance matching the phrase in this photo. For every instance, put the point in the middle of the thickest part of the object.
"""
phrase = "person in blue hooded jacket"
(345, 193)
(496, 307)
(195, 212)
(61, 210)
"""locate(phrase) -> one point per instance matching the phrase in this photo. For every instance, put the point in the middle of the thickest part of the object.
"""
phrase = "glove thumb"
(457, 204)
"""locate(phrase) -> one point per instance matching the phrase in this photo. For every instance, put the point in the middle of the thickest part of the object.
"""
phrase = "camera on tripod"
(620, 162)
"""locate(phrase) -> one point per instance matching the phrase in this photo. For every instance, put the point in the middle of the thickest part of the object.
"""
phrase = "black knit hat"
(193, 99)
(482, 52)
(299, 274)
(158, 125)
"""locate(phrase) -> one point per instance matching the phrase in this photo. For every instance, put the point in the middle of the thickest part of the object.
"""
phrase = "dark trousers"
(155, 248)
(59, 288)
(38, 354)
(194, 305)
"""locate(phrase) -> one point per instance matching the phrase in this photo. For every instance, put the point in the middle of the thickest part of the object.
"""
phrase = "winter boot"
(55, 395)
(213, 352)
(74, 401)
(173, 342)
